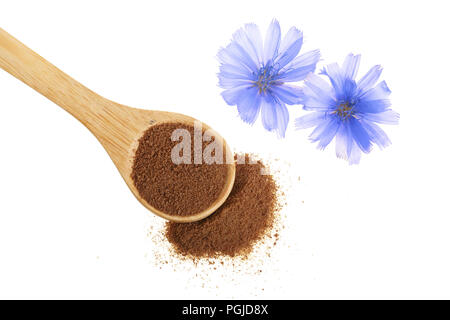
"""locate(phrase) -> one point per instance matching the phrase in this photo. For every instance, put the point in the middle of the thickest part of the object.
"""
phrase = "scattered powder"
(256, 274)
(176, 189)
(246, 216)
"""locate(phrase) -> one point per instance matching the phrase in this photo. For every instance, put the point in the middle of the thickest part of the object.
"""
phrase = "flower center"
(265, 78)
(345, 111)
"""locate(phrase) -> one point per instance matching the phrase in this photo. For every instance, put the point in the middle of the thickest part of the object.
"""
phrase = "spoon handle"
(45, 78)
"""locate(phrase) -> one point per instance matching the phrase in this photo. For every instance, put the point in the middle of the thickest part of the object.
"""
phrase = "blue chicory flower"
(347, 109)
(255, 74)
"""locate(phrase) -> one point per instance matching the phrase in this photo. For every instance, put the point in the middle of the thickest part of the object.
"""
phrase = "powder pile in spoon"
(176, 189)
(246, 216)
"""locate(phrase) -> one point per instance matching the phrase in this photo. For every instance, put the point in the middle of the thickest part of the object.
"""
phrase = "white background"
(69, 227)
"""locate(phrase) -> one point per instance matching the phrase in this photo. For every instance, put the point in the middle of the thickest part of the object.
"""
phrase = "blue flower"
(255, 74)
(348, 110)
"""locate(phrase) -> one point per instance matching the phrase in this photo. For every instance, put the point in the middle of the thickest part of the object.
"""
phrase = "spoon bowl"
(117, 127)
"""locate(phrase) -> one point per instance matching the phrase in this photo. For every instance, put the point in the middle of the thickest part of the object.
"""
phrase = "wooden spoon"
(117, 127)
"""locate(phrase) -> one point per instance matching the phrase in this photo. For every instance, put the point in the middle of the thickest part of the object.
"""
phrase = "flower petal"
(319, 87)
(370, 78)
(300, 67)
(234, 95)
(342, 142)
(350, 142)
(348, 90)
(317, 94)
(290, 38)
(275, 115)
(353, 152)
(248, 107)
(379, 92)
(230, 55)
(225, 58)
(360, 135)
(328, 134)
(355, 155)
(234, 72)
(305, 59)
(297, 74)
(282, 119)
(314, 104)
(234, 54)
(372, 106)
(255, 38)
(351, 66)
(386, 117)
(310, 120)
(241, 37)
(334, 73)
(377, 135)
(229, 83)
(231, 76)
(320, 129)
(290, 47)
(287, 93)
(272, 42)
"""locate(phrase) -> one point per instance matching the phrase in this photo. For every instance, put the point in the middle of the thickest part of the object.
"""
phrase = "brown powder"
(176, 189)
(245, 217)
